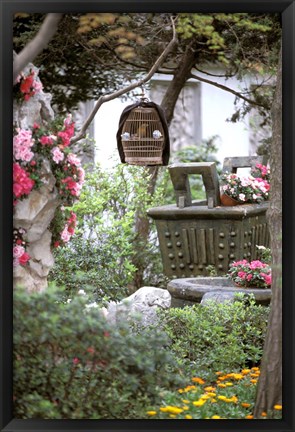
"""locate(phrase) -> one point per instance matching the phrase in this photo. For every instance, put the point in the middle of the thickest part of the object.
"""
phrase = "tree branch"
(223, 87)
(118, 93)
(37, 44)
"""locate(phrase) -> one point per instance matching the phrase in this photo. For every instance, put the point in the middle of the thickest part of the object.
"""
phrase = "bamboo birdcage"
(143, 137)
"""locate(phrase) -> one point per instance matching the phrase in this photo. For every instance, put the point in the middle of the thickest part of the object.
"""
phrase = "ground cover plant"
(230, 396)
(218, 336)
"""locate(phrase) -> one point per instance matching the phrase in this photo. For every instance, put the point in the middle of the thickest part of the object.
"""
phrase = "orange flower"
(245, 404)
(263, 414)
(278, 407)
(198, 380)
(249, 417)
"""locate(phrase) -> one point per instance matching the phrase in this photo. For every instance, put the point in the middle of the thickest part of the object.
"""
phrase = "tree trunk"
(269, 392)
(142, 224)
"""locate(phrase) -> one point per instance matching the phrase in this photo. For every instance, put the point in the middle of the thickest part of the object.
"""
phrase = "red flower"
(24, 258)
(76, 360)
(27, 83)
(56, 244)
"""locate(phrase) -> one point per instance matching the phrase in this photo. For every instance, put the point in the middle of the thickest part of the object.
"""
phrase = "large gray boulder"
(143, 303)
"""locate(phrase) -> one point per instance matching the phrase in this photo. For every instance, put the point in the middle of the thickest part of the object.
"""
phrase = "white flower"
(81, 292)
(242, 197)
(91, 305)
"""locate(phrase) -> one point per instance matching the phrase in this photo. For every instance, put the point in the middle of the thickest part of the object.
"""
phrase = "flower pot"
(228, 201)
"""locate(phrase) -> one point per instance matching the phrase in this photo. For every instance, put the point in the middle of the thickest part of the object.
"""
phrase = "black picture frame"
(287, 10)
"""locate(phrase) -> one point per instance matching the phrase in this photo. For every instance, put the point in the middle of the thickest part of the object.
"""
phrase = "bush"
(218, 336)
(69, 363)
(102, 251)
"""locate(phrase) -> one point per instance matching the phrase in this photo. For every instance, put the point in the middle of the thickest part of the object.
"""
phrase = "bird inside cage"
(142, 130)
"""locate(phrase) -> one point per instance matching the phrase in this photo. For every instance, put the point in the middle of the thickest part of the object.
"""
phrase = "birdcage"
(143, 137)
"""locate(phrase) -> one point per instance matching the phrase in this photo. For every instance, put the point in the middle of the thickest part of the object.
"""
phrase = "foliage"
(250, 274)
(230, 396)
(116, 47)
(218, 336)
(252, 189)
(69, 362)
(100, 254)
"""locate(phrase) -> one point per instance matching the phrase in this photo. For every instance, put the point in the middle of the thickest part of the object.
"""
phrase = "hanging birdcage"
(142, 136)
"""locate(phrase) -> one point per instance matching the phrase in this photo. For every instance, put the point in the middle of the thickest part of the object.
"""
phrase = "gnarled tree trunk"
(269, 392)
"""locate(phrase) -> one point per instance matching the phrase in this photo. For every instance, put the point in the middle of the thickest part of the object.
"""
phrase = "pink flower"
(18, 251)
(58, 155)
(65, 235)
(249, 277)
(65, 138)
(73, 160)
(22, 143)
(76, 360)
(47, 139)
(267, 278)
(22, 183)
(256, 264)
(242, 274)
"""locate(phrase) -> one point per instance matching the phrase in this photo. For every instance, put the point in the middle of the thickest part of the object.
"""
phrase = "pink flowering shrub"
(252, 189)
(53, 143)
(255, 274)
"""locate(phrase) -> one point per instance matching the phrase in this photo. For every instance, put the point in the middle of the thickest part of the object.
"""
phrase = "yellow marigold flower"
(188, 416)
(250, 417)
(205, 397)
(255, 368)
(222, 397)
(180, 391)
(245, 404)
(238, 376)
(278, 407)
(199, 403)
(172, 415)
(228, 384)
(185, 401)
(253, 381)
(233, 399)
(263, 414)
(218, 373)
(245, 371)
(211, 394)
(171, 409)
(213, 400)
(210, 389)
(215, 417)
(185, 407)
(151, 413)
(198, 380)
(221, 385)
(254, 375)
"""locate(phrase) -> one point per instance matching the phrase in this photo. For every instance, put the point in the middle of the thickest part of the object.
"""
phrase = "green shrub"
(69, 363)
(102, 250)
(218, 336)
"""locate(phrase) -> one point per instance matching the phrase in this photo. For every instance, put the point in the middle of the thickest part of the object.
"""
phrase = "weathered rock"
(218, 297)
(143, 303)
(186, 291)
